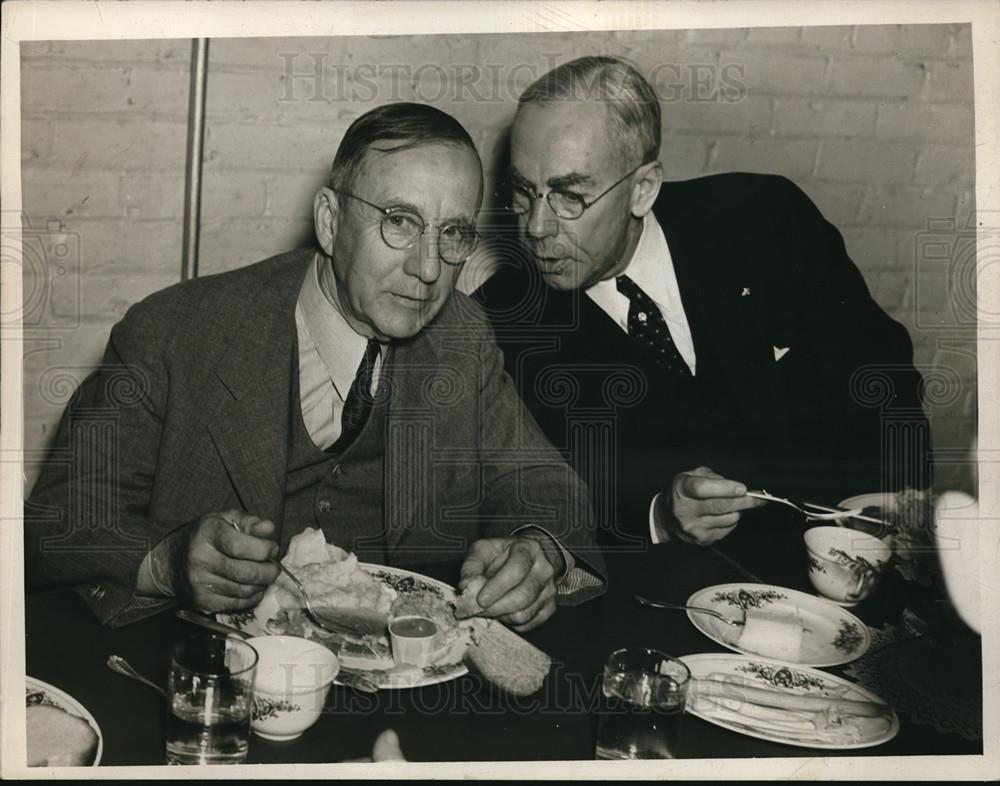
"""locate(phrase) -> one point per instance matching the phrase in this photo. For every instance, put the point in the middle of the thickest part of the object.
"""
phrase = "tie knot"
(372, 351)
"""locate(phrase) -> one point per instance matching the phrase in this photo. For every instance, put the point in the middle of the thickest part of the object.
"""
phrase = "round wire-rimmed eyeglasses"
(402, 228)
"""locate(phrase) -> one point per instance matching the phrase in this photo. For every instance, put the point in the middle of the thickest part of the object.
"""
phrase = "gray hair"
(396, 127)
(633, 106)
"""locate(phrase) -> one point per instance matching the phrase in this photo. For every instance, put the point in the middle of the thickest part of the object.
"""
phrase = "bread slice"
(505, 659)
(466, 605)
(57, 739)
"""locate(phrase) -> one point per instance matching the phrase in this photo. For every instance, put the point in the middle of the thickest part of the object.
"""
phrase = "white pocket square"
(780, 352)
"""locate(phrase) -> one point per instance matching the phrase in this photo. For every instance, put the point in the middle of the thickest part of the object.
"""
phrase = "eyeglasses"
(402, 228)
(565, 204)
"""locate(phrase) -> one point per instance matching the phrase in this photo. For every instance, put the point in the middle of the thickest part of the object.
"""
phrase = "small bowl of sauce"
(413, 639)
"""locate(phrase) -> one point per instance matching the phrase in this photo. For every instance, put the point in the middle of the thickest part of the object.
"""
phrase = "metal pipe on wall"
(195, 146)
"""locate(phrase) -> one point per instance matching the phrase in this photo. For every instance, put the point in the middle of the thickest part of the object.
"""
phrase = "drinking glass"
(209, 697)
(643, 694)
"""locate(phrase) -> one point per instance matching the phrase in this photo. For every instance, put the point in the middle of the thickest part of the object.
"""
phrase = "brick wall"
(874, 123)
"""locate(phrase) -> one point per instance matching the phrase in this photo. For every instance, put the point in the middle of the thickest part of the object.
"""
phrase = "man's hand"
(520, 589)
(221, 567)
(704, 506)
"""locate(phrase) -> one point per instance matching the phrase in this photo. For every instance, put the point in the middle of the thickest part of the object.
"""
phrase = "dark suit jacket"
(189, 414)
(757, 267)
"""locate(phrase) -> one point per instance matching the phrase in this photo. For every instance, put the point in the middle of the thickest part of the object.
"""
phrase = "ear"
(326, 218)
(646, 187)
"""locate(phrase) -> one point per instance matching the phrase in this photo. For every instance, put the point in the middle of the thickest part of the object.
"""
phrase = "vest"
(343, 493)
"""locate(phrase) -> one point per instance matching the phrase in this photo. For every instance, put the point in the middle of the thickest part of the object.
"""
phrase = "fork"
(660, 604)
(812, 514)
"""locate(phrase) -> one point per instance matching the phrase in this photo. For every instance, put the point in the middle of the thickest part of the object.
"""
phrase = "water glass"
(643, 695)
(210, 698)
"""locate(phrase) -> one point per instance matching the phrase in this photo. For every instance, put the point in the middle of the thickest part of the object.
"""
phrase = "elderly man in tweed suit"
(346, 388)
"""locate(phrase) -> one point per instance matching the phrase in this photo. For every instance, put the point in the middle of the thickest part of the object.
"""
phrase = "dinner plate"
(775, 675)
(38, 692)
(831, 635)
(401, 582)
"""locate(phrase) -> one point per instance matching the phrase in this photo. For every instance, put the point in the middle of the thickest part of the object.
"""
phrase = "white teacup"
(844, 564)
(290, 688)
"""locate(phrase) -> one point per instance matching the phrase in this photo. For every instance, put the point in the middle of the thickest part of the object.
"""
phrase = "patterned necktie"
(358, 404)
(648, 327)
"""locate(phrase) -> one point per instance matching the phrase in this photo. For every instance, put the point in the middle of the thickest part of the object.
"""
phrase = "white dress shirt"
(330, 352)
(652, 270)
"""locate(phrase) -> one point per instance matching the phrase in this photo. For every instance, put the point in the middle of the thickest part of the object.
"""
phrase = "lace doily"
(934, 683)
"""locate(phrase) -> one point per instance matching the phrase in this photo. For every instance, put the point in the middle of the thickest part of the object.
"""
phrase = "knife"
(353, 678)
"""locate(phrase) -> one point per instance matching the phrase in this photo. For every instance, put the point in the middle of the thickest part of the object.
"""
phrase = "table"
(465, 719)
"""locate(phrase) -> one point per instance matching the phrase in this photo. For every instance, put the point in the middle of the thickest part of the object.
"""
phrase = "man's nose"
(424, 259)
(541, 221)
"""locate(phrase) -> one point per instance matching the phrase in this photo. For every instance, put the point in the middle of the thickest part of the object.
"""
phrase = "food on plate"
(774, 632)
(505, 659)
(819, 719)
(57, 739)
(332, 577)
(724, 686)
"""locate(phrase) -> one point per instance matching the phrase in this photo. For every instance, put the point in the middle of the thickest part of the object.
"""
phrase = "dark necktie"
(358, 404)
(648, 328)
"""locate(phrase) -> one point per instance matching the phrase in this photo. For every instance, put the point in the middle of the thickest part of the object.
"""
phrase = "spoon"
(118, 664)
(659, 604)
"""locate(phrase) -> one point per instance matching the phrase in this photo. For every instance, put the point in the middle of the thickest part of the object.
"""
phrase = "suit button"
(337, 471)
(324, 506)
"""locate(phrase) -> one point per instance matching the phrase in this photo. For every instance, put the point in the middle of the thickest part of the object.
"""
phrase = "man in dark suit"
(344, 388)
(685, 342)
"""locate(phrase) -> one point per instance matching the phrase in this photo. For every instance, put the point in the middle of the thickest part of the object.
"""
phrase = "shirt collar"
(338, 345)
(651, 267)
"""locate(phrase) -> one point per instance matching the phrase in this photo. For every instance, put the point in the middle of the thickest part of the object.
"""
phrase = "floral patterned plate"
(775, 675)
(831, 635)
(38, 692)
(401, 582)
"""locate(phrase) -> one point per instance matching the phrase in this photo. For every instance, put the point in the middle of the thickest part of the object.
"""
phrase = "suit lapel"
(250, 427)
(727, 322)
